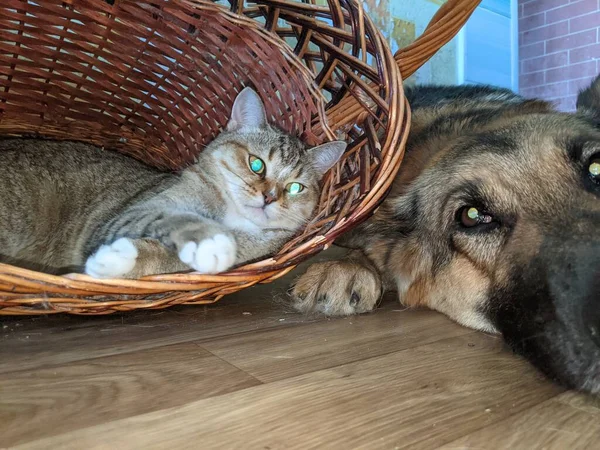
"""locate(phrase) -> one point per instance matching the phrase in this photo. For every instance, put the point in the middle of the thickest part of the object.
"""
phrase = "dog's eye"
(594, 168)
(472, 216)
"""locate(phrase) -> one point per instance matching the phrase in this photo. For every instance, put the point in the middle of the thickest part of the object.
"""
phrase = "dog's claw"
(325, 286)
(354, 299)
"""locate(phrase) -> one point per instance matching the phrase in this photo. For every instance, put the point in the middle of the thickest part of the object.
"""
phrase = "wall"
(489, 45)
(401, 21)
(491, 30)
(559, 48)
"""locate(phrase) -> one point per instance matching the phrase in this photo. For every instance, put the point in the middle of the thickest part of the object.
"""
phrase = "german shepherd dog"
(493, 220)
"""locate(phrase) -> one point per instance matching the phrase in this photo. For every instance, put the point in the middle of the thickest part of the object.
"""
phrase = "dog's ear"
(588, 100)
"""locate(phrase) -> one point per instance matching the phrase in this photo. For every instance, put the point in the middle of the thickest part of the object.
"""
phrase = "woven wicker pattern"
(156, 79)
(135, 81)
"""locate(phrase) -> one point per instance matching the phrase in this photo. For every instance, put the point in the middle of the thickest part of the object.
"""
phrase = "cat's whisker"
(237, 185)
(235, 174)
(298, 217)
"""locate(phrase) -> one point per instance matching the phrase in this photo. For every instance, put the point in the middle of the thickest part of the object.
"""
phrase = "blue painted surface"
(501, 7)
(488, 45)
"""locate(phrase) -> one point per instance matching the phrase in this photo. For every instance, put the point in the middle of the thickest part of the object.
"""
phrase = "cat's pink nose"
(269, 197)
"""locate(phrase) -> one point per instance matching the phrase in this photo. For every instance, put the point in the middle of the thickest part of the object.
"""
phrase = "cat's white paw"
(112, 261)
(212, 255)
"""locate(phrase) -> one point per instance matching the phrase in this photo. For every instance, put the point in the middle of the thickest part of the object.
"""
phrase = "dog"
(493, 220)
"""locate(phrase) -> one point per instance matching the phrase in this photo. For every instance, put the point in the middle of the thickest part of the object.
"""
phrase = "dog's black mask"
(549, 310)
(551, 314)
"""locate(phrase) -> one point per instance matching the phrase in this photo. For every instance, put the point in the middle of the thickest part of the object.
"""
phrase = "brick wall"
(559, 48)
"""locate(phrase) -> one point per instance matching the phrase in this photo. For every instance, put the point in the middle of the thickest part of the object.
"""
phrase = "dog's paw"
(112, 261)
(337, 288)
(211, 255)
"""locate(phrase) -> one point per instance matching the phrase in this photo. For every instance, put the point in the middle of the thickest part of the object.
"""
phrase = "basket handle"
(445, 24)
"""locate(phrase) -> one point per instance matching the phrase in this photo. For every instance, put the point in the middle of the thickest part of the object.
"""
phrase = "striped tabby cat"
(72, 207)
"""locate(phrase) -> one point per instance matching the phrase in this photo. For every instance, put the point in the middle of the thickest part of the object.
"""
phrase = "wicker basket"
(156, 79)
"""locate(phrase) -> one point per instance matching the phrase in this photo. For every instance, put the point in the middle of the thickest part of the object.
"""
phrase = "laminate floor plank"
(420, 397)
(32, 342)
(44, 402)
(275, 354)
(569, 421)
(249, 373)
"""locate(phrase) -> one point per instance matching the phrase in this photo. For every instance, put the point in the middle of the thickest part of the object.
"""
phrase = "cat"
(72, 207)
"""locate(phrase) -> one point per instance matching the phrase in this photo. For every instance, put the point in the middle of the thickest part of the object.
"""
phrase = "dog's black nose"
(574, 280)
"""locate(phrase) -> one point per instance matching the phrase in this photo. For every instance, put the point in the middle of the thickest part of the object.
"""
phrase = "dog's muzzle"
(573, 272)
(551, 312)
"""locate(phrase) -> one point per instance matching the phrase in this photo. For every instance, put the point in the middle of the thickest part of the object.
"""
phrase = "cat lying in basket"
(72, 207)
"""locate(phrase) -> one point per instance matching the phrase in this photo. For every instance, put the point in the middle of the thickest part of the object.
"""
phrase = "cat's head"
(271, 177)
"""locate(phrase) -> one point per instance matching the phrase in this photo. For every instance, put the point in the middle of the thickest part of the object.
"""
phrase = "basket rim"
(267, 267)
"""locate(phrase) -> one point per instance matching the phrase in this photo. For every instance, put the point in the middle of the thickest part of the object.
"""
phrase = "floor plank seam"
(261, 385)
(245, 332)
(346, 363)
(149, 347)
(366, 358)
(260, 382)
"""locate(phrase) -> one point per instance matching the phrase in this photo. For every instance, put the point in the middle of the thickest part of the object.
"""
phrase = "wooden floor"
(249, 374)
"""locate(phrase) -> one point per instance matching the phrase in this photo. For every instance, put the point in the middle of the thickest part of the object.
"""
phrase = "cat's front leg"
(115, 260)
(173, 243)
(205, 247)
(133, 258)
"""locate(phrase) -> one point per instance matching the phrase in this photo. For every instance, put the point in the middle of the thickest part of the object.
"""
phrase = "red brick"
(531, 79)
(589, 53)
(544, 33)
(571, 10)
(565, 104)
(539, 6)
(578, 85)
(571, 41)
(525, 91)
(584, 22)
(572, 72)
(546, 62)
(531, 51)
(572, 27)
(554, 90)
(531, 22)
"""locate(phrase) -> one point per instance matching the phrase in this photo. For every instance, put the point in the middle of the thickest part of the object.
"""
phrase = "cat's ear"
(324, 156)
(248, 111)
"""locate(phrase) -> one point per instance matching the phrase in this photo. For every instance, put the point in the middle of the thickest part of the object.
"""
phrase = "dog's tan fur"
(467, 144)
(408, 268)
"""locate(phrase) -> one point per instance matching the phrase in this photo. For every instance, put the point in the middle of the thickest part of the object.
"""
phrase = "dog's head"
(501, 231)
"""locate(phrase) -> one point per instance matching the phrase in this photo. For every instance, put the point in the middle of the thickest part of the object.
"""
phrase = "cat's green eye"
(294, 188)
(256, 165)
